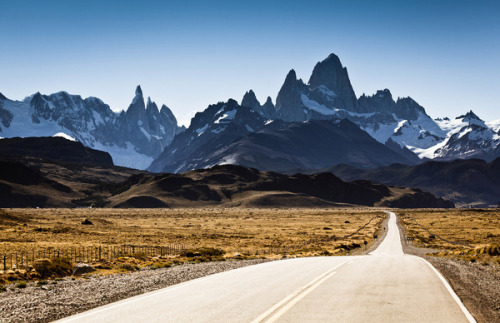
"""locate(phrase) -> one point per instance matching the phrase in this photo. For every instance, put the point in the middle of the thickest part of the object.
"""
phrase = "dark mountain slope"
(465, 182)
(54, 148)
(314, 144)
(240, 186)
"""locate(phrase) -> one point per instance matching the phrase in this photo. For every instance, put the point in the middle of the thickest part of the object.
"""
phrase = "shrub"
(158, 265)
(205, 253)
(57, 267)
(128, 267)
(3, 289)
(139, 256)
(21, 285)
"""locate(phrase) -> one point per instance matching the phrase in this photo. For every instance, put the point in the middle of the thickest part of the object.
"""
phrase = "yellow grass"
(466, 233)
(234, 230)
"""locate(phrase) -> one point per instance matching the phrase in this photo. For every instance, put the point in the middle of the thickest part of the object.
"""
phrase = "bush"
(203, 252)
(21, 285)
(139, 256)
(3, 289)
(57, 267)
(158, 265)
(128, 267)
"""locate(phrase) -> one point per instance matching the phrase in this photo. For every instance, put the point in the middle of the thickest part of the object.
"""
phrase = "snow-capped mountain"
(228, 133)
(210, 131)
(248, 134)
(329, 94)
(133, 137)
(281, 137)
(467, 136)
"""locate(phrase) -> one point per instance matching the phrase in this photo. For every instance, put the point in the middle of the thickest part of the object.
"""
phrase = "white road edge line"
(452, 292)
(282, 306)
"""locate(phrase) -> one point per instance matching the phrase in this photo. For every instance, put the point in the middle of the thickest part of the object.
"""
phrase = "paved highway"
(384, 286)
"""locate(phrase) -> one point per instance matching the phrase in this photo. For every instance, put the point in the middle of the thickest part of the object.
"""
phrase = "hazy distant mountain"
(133, 137)
(465, 182)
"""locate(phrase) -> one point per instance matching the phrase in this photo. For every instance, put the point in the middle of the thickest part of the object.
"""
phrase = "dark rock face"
(250, 100)
(58, 149)
(382, 102)
(146, 127)
(331, 74)
(329, 95)
(289, 106)
(211, 130)
(5, 116)
(278, 146)
(266, 110)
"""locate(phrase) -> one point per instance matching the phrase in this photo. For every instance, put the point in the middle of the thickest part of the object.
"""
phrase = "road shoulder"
(478, 286)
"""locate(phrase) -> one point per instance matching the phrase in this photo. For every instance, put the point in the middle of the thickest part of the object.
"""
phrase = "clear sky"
(189, 54)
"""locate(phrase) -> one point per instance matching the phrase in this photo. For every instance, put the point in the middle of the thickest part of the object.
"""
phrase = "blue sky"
(189, 54)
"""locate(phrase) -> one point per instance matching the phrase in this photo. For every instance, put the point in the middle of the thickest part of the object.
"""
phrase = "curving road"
(384, 286)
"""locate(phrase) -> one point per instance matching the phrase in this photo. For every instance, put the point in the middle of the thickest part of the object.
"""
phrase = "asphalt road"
(384, 286)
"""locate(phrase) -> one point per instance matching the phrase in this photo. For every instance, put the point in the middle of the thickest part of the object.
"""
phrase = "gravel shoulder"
(477, 285)
(67, 297)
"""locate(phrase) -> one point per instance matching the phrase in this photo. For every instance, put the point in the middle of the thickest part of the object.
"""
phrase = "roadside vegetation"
(467, 234)
(205, 235)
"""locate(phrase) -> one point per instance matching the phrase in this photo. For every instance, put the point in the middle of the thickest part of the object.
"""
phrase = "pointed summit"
(469, 116)
(269, 102)
(138, 91)
(291, 77)
(250, 100)
(331, 74)
(151, 106)
(288, 102)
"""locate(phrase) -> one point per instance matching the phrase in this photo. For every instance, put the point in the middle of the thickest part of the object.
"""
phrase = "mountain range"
(133, 137)
(313, 125)
(62, 173)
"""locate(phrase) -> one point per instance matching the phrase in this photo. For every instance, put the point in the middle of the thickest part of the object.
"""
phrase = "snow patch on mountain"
(65, 136)
(315, 106)
(226, 117)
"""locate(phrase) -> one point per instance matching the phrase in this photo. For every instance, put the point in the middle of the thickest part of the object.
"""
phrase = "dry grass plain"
(269, 233)
(469, 234)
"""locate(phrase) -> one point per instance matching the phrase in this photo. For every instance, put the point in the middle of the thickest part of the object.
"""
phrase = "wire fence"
(26, 259)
